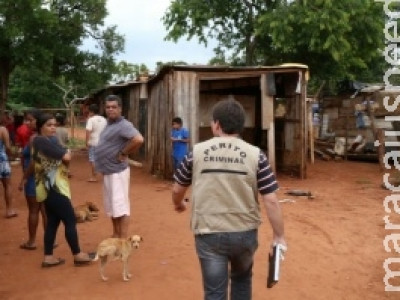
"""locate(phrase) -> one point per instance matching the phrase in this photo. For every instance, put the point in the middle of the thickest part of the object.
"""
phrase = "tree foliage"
(45, 37)
(126, 71)
(336, 38)
(231, 22)
(160, 64)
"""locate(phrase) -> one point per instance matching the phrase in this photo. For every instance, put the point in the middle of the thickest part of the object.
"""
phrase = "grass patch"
(75, 143)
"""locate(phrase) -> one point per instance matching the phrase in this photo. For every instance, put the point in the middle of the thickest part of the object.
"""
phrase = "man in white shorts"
(118, 139)
(94, 126)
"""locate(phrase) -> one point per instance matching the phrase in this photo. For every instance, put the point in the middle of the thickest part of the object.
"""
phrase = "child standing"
(180, 140)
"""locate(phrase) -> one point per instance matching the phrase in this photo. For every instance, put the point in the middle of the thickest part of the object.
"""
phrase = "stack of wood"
(324, 149)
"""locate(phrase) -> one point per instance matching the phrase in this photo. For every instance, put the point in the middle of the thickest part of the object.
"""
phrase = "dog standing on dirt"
(86, 212)
(117, 249)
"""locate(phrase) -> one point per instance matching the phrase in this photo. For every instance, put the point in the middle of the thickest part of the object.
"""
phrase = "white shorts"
(116, 194)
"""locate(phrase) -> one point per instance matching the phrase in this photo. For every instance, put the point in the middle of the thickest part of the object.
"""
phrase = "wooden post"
(267, 108)
(381, 148)
(310, 120)
(310, 130)
(72, 121)
(378, 135)
(371, 117)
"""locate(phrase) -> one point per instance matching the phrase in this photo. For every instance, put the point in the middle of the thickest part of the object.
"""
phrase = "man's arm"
(131, 147)
(275, 217)
(178, 192)
(88, 131)
(87, 137)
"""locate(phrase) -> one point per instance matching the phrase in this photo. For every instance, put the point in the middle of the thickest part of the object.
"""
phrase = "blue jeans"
(215, 252)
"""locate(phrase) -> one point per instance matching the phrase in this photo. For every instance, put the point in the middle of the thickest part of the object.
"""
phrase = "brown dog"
(117, 249)
(86, 212)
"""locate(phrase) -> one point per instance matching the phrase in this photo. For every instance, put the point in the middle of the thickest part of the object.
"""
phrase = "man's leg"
(123, 184)
(93, 178)
(116, 228)
(107, 198)
(124, 226)
(214, 266)
(243, 247)
(117, 191)
(94, 174)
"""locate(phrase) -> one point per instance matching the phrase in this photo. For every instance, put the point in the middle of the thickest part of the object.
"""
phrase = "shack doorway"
(244, 90)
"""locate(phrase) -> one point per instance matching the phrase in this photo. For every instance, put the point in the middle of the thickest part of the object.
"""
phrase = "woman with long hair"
(34, 208)
(49, 164)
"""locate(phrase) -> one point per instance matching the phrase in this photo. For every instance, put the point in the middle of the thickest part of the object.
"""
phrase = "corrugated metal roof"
(221, 69)
(205, 68)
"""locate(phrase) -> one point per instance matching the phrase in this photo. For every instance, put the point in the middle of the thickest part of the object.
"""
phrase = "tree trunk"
(4, 77)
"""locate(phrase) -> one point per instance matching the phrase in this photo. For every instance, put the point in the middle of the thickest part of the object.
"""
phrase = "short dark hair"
(110, 98)
(35, 113)
(42, 119)
(94, 108)
(230, 115)
(177, 120)
(60, 119)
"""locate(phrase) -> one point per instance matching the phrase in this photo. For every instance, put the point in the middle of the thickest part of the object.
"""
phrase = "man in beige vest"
(227, 174)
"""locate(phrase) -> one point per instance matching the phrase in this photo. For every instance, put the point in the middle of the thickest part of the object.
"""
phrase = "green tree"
(336, 38)
(125, 71)
(231, 22)
(33, 88)
(48, 35)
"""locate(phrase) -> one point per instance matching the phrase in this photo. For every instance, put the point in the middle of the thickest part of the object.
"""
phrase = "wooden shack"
(338, 119)
(273, 98)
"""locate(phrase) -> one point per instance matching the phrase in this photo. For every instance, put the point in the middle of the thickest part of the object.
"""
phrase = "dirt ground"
(335, 242)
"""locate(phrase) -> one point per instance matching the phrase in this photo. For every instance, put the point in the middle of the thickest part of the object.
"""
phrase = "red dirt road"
(335, 243)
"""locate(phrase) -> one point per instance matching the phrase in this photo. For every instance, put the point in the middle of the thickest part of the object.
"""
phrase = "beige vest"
(224, 197)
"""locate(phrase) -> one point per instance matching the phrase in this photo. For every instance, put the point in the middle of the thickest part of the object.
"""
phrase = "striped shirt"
(266, 181)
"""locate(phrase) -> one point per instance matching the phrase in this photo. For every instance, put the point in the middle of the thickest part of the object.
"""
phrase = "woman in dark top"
(50, 162)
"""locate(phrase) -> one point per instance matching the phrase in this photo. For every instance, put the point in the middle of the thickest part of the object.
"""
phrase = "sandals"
(58, 262)
(83, 262)
(12, 215)
(27, 246)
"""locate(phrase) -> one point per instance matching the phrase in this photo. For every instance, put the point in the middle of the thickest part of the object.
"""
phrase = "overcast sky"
(140, 22)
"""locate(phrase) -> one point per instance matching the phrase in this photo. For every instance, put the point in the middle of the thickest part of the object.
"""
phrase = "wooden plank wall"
(186, 102)
(267, 122)
(133, 106)
(175, 95)
(156, 123)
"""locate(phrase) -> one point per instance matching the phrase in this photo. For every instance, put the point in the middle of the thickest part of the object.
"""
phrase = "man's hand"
(178, 193)
(122, 156)
(181, 207)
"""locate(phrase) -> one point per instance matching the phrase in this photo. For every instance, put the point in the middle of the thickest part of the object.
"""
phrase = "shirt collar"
(119, 119)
